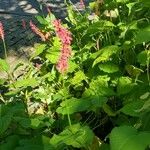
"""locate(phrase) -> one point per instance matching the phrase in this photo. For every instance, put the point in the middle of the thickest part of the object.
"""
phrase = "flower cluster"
(1, 31)
(36, 30)
(65, 38)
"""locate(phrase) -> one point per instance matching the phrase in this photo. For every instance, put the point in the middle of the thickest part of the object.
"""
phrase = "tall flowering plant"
(65, 38)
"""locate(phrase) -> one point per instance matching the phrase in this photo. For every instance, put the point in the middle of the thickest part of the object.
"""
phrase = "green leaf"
(54, 51)
(39, 48)
(108, 110)
(72, 66)
(53, 57)
(25, 83)
(73, 105)
(36, 143)
(108, 67)
(71, 15)
(143, 36)
(132, 108)
(104, 54)
(99, 86)
(4, 66)
(100, 26)
(79, 76)
(5, 122)
(75, 135)
(10, 143)
(143, 57)
(125, 85)
(128, 138)
(41, 20)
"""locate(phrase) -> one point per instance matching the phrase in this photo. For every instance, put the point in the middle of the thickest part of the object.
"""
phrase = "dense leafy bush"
(97, 97)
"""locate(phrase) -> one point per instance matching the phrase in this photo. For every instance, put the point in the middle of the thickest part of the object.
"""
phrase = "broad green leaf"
(125, 85)
(145, 121)
(25, 83)
(53, 57)
(76, 135)
(143, 36)
(108, 110)
(104, 54)
(4, 66)
(108, 67)
(128, 138)
(99, 86)
(132, 108)
(79, 76)
(73, 105)
(143, 57)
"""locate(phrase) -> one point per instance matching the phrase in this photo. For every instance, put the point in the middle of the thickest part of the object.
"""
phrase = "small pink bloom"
(37, 31)
(1, 31)
(82, 5)
(23, 24)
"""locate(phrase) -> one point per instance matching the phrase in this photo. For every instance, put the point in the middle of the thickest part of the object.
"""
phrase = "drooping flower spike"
(1, 31)
(37, 31)
(65, 38)
(23, 24)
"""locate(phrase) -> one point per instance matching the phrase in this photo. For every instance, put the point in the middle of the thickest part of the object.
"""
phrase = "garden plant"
(87, 83)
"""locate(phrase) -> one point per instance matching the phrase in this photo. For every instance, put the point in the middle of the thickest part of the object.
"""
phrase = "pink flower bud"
(1, 31)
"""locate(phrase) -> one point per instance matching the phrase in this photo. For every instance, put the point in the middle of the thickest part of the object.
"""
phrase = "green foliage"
(77, 105)
(76, 136)
(3, 65)
(126, 137)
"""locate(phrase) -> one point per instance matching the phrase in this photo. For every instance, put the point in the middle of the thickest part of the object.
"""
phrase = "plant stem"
(68, 116)
(5, 50)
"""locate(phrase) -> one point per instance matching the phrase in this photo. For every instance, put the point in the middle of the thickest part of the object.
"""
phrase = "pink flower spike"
(37, 31)
(1, 31)
(65, 37)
